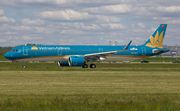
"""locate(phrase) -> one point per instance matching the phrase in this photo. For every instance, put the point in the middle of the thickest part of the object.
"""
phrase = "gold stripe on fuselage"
(66, 56)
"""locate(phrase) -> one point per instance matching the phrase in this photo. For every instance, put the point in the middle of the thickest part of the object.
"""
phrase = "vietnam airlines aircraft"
(79, 55)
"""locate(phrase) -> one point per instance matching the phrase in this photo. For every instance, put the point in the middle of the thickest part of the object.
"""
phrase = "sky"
(87, 22)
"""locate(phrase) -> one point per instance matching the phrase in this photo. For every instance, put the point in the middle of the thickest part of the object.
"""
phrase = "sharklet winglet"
(126, 47)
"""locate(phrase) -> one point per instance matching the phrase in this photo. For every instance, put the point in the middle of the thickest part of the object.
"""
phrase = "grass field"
(151, 59)
(126, 87)
(2, 58)
(158, 59)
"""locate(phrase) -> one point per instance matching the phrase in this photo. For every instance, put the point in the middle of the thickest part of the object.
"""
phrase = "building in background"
(174, 51)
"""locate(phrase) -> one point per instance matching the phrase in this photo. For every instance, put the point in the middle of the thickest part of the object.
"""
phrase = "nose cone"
(7, 55)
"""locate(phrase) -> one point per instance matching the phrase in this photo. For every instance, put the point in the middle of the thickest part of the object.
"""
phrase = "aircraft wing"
(96, 56)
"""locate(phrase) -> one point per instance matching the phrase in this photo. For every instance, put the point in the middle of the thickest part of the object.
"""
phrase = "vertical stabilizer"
(157, 38)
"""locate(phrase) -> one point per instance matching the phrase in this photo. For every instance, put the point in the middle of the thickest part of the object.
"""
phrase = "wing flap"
(104, 54)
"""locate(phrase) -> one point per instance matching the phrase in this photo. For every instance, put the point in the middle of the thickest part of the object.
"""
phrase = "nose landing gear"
(24, 65)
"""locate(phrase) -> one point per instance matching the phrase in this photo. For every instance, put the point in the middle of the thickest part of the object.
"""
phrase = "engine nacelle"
(63, 63)
(76, 61)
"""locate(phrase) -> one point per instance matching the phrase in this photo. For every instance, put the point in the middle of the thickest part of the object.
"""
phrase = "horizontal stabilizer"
(160, 50)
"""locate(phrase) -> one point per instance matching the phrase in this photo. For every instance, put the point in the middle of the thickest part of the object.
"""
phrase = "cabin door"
(25, 51)
(59, 51)
(143, 51)
(100, 50)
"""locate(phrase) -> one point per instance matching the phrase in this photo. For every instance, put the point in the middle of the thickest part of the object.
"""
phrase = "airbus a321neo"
(79, 55)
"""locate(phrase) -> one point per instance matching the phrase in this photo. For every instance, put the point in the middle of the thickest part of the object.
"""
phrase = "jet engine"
(76, 61)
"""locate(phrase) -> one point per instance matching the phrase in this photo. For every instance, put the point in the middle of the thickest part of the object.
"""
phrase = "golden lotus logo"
(156, 41)
(34, 48)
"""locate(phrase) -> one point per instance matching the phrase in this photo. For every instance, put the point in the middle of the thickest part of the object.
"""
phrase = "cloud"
(111, 19)
(50, 1)
(113, 26)
(161, 18)
(7, 27)
(9, 33)
(106, 1)
(4, 19)
(46, 4)
(168, 20)
(2, 40)
(65, 15)
(26, 37)
(141, 25)
(74, 16)
(120, 8)
(99, 20)
(32, 22)
(1, 12)
(72, 32)
(173, 22)
(170, 9)
(45, 30)
(90, 27)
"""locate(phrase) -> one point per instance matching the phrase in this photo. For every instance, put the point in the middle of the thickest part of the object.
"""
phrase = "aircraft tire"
(23, 66)
(93, 66)
(85, 66)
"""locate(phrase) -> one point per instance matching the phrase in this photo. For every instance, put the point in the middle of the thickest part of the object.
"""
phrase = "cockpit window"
(15, 50)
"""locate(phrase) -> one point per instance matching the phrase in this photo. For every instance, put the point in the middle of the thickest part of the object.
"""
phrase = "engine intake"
(76, 61)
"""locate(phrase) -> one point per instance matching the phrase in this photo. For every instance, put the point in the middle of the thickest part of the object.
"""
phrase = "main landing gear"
(91, 66)
(85, 66)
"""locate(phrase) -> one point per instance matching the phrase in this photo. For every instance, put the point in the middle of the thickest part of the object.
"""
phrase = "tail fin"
(157, 38)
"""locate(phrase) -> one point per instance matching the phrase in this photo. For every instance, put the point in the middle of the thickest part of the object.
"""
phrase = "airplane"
(79, 55)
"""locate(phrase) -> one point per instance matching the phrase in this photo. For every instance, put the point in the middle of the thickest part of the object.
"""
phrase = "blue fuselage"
(62, 52)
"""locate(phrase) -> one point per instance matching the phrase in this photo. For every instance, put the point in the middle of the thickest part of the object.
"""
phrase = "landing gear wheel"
(85, 66)
(24, 65)
(92, 66)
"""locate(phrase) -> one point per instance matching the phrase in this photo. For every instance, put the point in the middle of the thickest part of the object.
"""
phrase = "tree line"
(3, 50)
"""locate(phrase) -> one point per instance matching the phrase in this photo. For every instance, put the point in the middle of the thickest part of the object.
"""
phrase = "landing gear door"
(25, 51)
